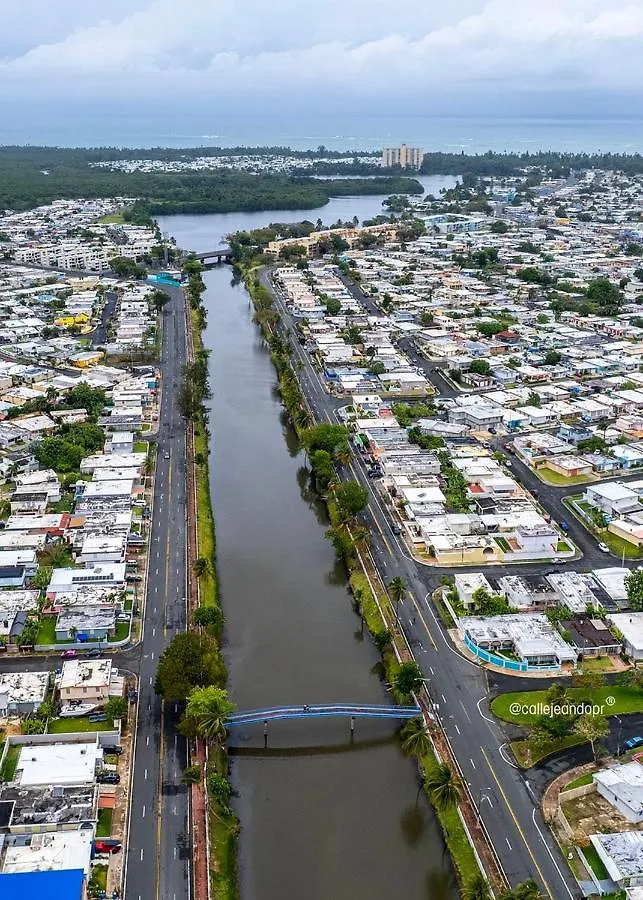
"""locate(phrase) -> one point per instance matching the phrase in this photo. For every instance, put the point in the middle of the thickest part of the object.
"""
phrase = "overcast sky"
(363, 55)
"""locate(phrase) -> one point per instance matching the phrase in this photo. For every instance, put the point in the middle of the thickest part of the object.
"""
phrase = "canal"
(321, 818)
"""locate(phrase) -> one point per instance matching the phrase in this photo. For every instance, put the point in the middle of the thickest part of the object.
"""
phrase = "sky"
(283, 56)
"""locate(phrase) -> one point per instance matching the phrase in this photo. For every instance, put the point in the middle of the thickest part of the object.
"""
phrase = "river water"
(321, 818)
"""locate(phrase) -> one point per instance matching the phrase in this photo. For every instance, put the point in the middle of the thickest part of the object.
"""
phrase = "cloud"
(356, 49)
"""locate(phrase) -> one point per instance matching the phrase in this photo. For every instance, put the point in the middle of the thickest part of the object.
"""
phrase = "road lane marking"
(147, 741)
(145, 775)
(143, 813)
(159, 803)
(508, 844)
(516, 823)
(141, 854)
(486, 718)
(508, 761)
(455, 725)
(472, 762)
(542, 837)
(464, 710)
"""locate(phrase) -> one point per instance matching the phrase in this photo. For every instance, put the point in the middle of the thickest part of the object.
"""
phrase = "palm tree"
(207, 710)
(527, 890)
(201, 566)
(397, 589)
(444, 788)
(476, 889)
(415, 738)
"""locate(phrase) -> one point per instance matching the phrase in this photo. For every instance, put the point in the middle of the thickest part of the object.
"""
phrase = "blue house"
(573, 434)
(65, 884)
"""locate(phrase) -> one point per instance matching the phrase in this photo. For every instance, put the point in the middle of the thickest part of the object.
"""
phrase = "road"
(159, 847)
(458, 688)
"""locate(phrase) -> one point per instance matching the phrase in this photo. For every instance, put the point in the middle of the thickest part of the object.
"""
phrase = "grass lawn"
(115, 218)
(598, 664)
(122, 631)
(503, 544)
(140, 446)
(555, 478)
(579, 782)
(104, 826)
(527, 756)
(563, 547)
(618, 546)
(595, 862)
(626, 700)
(98, 880)
(81, 723)
(47, 631)
(10, 762)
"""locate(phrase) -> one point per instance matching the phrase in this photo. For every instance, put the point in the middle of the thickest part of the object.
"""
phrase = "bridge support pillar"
(352, 729)
(265, 734)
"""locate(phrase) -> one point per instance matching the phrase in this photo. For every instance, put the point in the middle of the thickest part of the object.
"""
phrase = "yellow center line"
(167, 550)
(423, 620)
(516, 823)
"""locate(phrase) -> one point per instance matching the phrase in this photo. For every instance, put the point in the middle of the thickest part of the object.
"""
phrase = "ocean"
(616, 134)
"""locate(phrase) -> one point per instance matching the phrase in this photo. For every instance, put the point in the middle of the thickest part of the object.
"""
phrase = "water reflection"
(413, 823)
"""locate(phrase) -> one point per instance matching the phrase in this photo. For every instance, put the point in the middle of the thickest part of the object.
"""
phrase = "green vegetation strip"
(10, 762)
(455, 836)
(527, 755)
(581, 781)
(224, 834)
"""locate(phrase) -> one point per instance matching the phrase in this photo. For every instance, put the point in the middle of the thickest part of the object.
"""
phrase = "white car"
(603, 546)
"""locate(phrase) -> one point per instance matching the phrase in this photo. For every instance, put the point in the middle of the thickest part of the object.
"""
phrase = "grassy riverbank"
(369, 595)
(223, 825)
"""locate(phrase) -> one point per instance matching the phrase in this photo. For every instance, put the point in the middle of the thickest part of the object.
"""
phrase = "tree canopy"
(190, 660)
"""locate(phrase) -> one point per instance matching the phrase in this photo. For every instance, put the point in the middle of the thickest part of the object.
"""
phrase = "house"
(630, 626)
(102, 548)
(89, 680)
(59, 763)
(75, 623)
(591, 637)
(568, 465)
(530, 638)
(110, 575)
(531, 592)
(467, 583)
(613, 499)
(13, 577)
(622, 786)
(622, 855)
(21, 693)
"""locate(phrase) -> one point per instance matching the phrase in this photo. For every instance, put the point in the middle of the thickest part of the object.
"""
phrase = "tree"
(208, 617)
(634, 588)
(480, 367)
(397, 589)
(351, 499)
(206, 712)
(408, 679)
(552, 358)
(632, 678)
(324, 437)
(427, 319)
(476, 888)
(116, 708)
(415, 738)
(588, 681)
(592, 728)
(499, 227)
(444, 787)
(126, 267)
(382, 639)
(527, 890)
(190, 660)
(192, 775)
(159, 299)
(603, 292)
(201, 566)
(58, 454)
(333, 306)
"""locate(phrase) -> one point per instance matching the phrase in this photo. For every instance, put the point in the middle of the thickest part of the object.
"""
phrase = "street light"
(619, 734)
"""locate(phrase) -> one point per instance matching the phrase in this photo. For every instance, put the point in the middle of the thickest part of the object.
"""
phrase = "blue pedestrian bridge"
(318, 711)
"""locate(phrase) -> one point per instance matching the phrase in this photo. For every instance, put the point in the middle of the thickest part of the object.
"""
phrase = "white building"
(622, 786)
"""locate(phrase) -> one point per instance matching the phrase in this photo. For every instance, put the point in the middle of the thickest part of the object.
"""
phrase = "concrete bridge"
(221, 254)
(317, 711)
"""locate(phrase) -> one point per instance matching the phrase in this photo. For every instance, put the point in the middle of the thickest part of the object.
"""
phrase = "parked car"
(95, 651)
(396, 529)
(107, 847)
(112, 749)
(70, 654)
(564, 526)
(97, 717)
(108, 778)
(603, 546)
(166, 455)
(633, 743)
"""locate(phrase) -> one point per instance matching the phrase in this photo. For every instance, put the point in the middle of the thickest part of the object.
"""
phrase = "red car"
(69, 654)
(107, 846)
